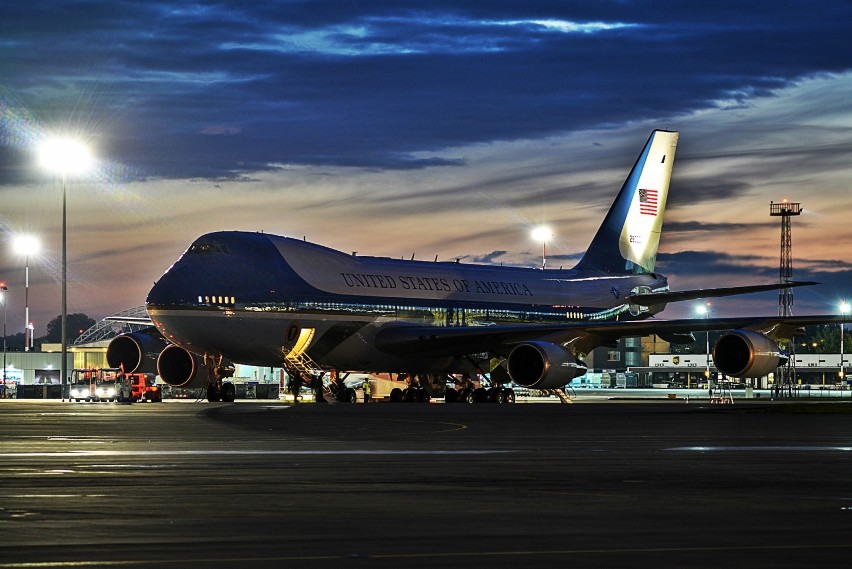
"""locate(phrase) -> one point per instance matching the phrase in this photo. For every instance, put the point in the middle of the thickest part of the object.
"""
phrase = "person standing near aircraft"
(367, 390)
(316, 385)
(296, 385)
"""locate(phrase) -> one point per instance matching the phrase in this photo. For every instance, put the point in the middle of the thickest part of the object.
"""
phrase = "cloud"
(446, 128)
(370, 86)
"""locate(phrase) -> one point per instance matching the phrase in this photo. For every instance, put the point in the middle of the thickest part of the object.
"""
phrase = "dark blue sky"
(451, 126)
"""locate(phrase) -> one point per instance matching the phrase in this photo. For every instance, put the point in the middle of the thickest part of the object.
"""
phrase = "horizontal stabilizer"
(653, 298)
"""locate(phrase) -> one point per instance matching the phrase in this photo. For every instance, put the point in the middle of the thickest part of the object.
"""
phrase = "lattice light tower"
(786, 374)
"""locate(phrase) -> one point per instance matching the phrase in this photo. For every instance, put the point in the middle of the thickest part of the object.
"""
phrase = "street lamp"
(844, 310)
(704, 310)
(27, 245)
(5, 291)
(542, 234)
(64, 156)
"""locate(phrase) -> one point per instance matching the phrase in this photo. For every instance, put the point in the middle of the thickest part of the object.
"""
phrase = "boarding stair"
(297, 360)
(563, 396)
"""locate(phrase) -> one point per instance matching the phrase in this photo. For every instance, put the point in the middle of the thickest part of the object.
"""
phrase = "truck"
(137, 387)
(92, 384)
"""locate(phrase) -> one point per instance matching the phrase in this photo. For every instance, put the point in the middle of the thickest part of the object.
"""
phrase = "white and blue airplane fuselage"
(264, 300)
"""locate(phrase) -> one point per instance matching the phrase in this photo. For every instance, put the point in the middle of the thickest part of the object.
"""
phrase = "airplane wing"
(664, 297)
(579, 338)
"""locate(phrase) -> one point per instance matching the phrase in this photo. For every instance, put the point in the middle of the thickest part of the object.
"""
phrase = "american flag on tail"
(648, 202)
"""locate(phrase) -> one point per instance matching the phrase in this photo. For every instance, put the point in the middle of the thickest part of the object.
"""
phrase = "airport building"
(648, 362)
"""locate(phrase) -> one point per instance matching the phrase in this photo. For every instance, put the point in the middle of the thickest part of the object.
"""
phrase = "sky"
(446, 129)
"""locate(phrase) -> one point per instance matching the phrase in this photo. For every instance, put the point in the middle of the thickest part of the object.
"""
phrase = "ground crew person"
(367, 391)
(296, 385)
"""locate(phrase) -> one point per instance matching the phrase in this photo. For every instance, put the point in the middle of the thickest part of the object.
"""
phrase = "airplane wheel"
(451, 395)
(396, 395)
(351, 396)
(479, 395)
(212, 394)
(510, 395)
(229, 392)
(469, 396)
(412, 395)
(499, 396)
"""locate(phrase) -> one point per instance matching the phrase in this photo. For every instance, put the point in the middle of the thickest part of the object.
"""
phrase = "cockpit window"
(203, 248)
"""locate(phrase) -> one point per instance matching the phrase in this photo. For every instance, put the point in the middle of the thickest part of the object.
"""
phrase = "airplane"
(266, 300)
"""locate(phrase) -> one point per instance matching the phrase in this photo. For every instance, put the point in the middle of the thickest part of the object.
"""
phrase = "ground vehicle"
(135, 387)
(93, 384)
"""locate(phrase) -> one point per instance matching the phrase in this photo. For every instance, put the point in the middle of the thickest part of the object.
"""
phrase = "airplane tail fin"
(627, 240)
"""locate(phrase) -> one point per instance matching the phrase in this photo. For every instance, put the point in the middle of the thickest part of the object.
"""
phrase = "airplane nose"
(176, 286)
(236, 265)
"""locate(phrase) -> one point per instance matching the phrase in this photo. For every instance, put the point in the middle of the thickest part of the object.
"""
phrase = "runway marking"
(428, 555)
(763, 448)
(237, 452)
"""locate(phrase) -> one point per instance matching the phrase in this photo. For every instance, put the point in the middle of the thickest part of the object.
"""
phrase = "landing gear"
(221, 391)
(500, 395)
(480, 395)
(213, 393)
(218, 390)
(411, 394)
(347, 395)
(229, 392)
(469, 395)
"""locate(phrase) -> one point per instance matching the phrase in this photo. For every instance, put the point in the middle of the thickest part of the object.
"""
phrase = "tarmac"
(269, 484)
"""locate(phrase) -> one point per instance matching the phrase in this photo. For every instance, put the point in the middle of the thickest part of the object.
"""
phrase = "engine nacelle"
(743, 353)
(137, 351)
(181, 368)
(542, 365)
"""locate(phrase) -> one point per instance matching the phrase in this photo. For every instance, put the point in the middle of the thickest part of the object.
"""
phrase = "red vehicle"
(136, 387)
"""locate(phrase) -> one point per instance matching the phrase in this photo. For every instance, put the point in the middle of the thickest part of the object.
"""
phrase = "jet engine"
(137, 351)
(743, 353)
(181, 368)
(542, 365)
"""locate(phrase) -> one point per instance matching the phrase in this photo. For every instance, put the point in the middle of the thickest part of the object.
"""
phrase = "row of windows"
(224, 300)
(205, 248)
(446, 316)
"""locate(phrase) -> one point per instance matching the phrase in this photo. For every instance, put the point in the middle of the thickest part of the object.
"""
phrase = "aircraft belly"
(256, 338)
(359, 353)
(252, 341)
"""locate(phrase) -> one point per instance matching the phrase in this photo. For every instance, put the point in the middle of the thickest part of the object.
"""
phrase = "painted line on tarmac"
(432, 555)
(237, 452)
(762, 448)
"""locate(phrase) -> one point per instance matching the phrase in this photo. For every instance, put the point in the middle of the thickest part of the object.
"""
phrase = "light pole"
(704, 310)
(542, 234)
(844, 310)
(5, 291)
(26, 245)
(64, 156)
